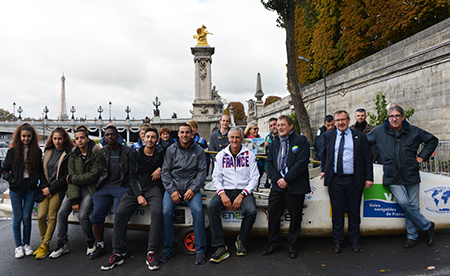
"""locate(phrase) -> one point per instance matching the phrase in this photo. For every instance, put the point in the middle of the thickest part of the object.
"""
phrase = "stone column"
(202, 60)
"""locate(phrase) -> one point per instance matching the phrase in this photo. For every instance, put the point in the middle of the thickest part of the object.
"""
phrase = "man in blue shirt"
(347, 168)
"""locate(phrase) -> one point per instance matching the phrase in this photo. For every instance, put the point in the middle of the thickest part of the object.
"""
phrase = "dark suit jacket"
(363, 168)
(297, 176)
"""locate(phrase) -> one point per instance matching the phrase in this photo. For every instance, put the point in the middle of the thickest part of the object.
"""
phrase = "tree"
(5, 115)
(286, 19)
(239, 113)
(270, 100)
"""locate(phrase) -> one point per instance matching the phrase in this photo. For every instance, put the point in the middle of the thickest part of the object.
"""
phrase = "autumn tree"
(286, 19)
(239, 112)
(5, 115)
(338, 33)
(271, 100)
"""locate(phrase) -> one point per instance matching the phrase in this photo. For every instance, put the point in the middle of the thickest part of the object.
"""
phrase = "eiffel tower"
(62, 114)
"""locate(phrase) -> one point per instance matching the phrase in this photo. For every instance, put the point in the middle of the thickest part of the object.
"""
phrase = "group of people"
(347, 155)
(160, 172)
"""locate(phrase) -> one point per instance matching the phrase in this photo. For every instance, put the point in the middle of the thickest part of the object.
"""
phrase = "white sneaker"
(18, 252)
(62, 249)
(90, 250)
(28, 250)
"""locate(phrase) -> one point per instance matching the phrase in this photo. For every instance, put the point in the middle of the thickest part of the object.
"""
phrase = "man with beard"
(145, 189)
(183, 174)
(361, 125)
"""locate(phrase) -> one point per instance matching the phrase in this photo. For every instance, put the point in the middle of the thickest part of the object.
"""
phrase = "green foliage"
(297, 128)
(239, 113)
(5, 115)
(270, 100)
(381, 116)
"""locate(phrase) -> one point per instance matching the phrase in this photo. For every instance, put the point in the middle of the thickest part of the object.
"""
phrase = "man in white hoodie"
(235, 177)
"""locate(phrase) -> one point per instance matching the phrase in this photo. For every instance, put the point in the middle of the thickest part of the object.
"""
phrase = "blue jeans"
(199, 222)
(408, 198)
(215, 208)
(22, 206)
(102, 200)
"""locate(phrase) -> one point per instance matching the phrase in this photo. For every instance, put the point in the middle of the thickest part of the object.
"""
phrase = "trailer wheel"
(186, 241)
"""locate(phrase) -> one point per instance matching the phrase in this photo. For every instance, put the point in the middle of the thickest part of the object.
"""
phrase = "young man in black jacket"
(145, 189)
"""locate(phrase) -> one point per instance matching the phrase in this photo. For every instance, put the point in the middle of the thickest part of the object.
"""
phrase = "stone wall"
(414, 72)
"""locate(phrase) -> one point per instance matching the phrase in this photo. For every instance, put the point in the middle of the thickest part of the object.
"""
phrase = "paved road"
(382, 255)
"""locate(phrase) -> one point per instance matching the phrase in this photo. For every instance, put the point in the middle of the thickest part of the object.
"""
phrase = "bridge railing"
(439, 162)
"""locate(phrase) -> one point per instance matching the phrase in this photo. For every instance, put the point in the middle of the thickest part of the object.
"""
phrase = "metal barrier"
(439, 162)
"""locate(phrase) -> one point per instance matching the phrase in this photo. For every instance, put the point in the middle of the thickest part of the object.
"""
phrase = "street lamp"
(100, 110)
(324, 79)
(14, 109)
(20, 110)
(110, 104)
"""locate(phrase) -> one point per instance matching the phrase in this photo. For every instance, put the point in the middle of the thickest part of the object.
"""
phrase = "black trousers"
(278, 202)
(345, 194)
(127, 208)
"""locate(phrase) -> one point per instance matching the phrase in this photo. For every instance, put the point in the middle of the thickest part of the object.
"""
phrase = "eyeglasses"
(255, 128)
(395, 116)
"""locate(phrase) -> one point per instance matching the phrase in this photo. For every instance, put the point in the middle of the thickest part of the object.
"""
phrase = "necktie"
(340, 159)
(283, 157)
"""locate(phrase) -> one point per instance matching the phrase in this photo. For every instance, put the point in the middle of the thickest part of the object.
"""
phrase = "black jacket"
(127, 163)
(142, 179)
(297, 176)
(14, 174)
(362, 166)
(317, 145)
(399, 151)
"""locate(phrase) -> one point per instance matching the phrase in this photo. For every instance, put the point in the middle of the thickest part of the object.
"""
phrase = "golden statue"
(201, 36)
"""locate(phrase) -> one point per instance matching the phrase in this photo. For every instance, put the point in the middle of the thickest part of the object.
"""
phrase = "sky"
(129, 52)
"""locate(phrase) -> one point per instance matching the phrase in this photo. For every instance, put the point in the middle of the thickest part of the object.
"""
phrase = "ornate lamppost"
(14, 109)
(128, 110)
(20, 110)
(73, 110)
(156, 103)
(110, 104)
(45, 121)
(100, 110)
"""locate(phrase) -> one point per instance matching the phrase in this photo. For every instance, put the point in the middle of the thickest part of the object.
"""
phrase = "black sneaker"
(240, 248)
(114, 260)
(98, 252)
(200, 258)
(220, 255)
(164, 257)
(151, 261)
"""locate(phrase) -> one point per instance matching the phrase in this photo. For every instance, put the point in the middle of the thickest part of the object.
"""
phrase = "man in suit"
(347, 168)
(287, 167)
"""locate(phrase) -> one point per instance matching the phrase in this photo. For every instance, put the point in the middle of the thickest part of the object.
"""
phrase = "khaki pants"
(48, 208)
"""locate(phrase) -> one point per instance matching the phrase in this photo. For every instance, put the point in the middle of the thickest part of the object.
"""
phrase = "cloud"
(130, 52)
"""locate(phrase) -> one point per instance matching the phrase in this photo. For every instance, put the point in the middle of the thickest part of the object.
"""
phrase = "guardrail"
(440, 160)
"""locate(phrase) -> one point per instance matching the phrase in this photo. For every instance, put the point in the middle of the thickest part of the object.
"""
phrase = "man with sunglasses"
(398, 142)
